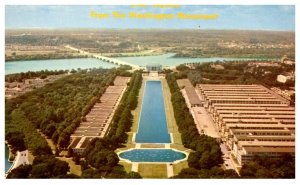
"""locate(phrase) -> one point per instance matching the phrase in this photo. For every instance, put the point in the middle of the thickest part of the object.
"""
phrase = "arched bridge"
(105, 59)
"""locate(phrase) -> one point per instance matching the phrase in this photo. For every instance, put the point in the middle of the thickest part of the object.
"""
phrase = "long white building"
(251, 119)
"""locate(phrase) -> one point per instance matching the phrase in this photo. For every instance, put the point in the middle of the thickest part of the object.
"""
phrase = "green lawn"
(153, 170)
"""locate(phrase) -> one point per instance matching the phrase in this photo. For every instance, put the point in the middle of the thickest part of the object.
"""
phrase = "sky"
(255, 17)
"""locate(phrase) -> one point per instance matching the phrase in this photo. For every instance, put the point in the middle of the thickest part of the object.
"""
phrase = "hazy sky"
(230, 17)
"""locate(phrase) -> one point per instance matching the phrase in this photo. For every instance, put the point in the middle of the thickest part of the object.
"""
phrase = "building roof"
(192, 95)
(153, 65)
(184, 83)
(270, 149)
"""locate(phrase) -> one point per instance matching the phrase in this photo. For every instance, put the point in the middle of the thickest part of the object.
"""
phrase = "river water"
(85, 63)
(7, 163)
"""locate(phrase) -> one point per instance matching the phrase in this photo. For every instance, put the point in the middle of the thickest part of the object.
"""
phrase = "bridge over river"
(103, 58)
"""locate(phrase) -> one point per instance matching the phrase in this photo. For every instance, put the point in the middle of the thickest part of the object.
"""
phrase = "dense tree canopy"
(205, 161)
(100, 153)
(56, 109)
(266, 167)
(122, 119)
(207, 157)
(44, 166)
(20, 77)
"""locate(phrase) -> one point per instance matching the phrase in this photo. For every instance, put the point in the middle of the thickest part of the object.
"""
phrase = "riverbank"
(9, 157)
(20, 159)
(248, 57)
(134, 54)
(42, 57)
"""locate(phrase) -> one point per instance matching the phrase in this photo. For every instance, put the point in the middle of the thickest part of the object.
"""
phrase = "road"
(227, 157)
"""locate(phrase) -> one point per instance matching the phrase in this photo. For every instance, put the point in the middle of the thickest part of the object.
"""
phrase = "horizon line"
(94, 28)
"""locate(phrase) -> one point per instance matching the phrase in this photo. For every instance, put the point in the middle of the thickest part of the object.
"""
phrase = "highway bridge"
(103, 58)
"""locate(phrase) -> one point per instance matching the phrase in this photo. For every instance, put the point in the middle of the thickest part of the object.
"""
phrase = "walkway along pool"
(152, 128)
(152, 155)
(153, 124)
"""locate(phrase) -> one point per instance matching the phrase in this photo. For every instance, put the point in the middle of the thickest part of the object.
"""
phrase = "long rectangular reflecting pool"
(153, 123)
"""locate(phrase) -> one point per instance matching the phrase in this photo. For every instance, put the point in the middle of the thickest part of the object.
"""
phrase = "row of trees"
(122, 120)
(48, 56)
(53, 115)
(56, 109)
(266, 167)
(20, 77)
(207, 155)
(237, 73)
(104, 161)
(100, 153)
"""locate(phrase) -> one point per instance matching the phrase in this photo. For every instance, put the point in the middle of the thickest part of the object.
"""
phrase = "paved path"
(227, 157)
(135, 167)
(170, 170)
(157, 170)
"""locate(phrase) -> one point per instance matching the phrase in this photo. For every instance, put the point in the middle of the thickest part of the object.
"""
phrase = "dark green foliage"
(238, 72)
(56, 109)
(99, 158)
(122, 119)
(22, 172)
(21, 135)
(182, 67)
(265, 167)
(68, 176)
(92, 174)
(48, 56)
(47, 166)
(213, 173)
(40, 171)
(16, 140)
(20, 77)
(44, 166)
(100, 152)
(117, 172)
(133, 175)
(207, 155)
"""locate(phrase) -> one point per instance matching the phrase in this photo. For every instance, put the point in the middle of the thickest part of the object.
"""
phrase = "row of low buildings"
(98, 119)
(14, 89)
(251, 119)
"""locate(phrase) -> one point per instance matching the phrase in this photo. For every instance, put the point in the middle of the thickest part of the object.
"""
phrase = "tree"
(205, 162)
(265, 167)
(20, 172)
(112, 159)
(182, 67)
(193, 159)
(47, 166)
(41, 170)
(133, 175)
(60, 168)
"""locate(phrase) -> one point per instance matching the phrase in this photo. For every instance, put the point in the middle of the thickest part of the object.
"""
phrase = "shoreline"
(20, 159)
(33, 59)
(11, 155)
(174, 55)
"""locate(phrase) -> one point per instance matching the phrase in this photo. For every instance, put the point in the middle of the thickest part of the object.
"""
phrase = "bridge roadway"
(105, 59)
